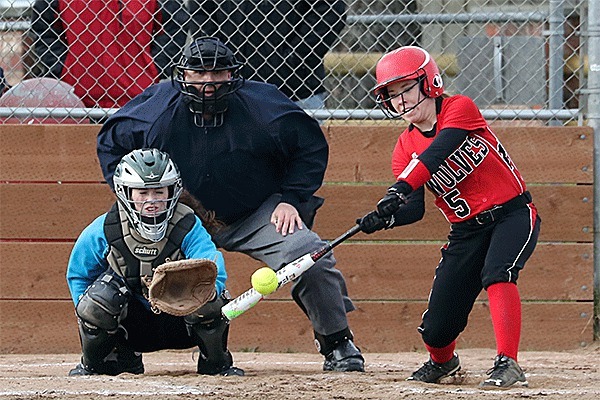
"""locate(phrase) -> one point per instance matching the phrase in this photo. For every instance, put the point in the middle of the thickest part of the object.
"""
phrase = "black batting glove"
(393, 199)
(372, 222)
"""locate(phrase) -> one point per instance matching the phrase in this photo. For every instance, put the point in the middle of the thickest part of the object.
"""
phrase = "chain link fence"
(518, 59)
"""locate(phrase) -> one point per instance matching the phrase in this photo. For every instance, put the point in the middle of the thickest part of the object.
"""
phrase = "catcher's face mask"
(148, 186)
(151, 210)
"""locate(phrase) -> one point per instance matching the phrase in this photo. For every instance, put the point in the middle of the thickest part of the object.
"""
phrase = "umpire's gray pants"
(321, 290)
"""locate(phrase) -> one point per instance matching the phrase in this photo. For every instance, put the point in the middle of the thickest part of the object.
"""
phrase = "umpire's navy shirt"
(266, 145)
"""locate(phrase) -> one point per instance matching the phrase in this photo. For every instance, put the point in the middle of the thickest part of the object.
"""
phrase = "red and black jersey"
(476, 176)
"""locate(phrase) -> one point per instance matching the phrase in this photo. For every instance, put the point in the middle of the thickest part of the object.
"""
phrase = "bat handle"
(345, 236)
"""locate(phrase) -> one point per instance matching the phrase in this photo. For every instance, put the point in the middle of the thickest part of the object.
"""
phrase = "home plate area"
(171, 375)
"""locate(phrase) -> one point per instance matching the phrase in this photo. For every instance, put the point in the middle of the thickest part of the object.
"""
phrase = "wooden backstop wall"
(51, 187)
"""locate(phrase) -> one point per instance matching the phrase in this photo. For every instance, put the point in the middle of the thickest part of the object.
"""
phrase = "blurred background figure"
(281, 42)
(109, 50)
(4, 86)
(41, 93)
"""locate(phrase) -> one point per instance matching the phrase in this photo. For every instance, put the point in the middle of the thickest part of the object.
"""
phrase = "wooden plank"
(34, 270)
(359, 153)
(362, 153)
(405, 271)
(50, 211)
(55, 211)
(566, 213)
(38, 327)
(400, 271)
(49, 153)
(373, 271)
(389, 327)
(31, 327)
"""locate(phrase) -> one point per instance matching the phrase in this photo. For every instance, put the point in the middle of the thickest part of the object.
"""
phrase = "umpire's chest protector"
(133, 258)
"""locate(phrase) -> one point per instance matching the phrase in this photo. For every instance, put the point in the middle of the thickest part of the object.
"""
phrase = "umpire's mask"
(207, 99)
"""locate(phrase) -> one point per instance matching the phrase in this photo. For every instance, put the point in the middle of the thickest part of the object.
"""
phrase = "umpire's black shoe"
(432, 372)
(346, 357)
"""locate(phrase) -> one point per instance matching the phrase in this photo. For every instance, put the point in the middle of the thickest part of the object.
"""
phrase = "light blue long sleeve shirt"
(88, 258)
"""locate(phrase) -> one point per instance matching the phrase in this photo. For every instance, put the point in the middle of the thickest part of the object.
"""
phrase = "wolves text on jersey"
(458, 165)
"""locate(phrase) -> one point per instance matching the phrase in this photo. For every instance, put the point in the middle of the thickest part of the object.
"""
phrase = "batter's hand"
(372, 222)
(391, 202)
(285, 217)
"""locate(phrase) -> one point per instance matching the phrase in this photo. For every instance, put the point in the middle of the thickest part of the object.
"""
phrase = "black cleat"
(81, 370)
(223, 367)
(232, 371)
(505, 373)
(130, 363)
(346, 357)
(432, 372)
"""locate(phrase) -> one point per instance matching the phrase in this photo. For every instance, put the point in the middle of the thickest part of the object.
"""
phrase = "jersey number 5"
(459, 205)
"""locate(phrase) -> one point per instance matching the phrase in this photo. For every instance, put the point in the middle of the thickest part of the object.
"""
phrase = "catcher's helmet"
(404, 64)
(208, 54)
(148, 169)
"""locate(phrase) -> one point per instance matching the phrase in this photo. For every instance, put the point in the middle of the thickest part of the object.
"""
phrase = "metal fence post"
(556, 61)
(593, 118)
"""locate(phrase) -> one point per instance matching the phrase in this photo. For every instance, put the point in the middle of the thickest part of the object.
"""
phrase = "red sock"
(441, 355)
(505, 308)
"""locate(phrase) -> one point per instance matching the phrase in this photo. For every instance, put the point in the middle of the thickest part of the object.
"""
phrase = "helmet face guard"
(209, 103)
(405, 64)
(384, 100)
(148, 169)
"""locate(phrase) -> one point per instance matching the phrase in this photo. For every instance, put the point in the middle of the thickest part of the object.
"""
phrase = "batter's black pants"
(475, 257)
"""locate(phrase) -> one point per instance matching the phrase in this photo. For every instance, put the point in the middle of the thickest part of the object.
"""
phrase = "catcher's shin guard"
(106, 354)
(100, 311)
(209, 330)
(96, 345)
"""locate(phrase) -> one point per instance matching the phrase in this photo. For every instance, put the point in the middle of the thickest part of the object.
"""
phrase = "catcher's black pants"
(475, 257)
(147, 331)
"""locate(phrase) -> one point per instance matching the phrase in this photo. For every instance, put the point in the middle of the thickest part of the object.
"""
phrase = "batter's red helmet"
(407, 63)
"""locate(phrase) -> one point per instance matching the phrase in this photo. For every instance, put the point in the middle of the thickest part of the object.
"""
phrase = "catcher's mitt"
(181, 287)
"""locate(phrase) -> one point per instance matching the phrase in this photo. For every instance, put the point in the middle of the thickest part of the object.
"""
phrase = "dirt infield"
(170, 375)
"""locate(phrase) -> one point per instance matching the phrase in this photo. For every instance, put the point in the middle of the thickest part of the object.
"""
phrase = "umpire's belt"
(499, 211)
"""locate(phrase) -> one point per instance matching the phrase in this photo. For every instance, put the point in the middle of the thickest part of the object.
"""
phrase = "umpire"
(255, 159)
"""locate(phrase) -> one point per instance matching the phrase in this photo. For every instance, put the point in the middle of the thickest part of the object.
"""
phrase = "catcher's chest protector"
(133, 259)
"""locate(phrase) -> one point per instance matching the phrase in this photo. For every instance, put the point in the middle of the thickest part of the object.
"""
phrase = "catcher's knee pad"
(104, 303)
(209, 330)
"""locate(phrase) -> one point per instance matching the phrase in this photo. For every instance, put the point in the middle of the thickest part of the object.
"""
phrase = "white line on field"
(188, 390)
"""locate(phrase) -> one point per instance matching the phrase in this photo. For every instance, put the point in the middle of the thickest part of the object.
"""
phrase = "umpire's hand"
(286, 218)
(372, 222)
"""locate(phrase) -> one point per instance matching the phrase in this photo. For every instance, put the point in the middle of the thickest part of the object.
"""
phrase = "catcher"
(129, 296)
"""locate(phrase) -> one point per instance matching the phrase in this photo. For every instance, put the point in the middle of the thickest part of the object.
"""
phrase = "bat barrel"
(289, 272)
